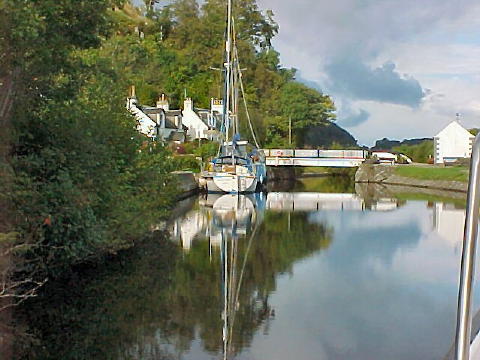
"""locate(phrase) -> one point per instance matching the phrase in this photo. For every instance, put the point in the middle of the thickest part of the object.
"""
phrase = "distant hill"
(328, 135)
(387, 144)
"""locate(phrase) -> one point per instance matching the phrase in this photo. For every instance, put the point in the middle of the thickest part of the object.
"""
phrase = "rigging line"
(225, 294)
(232, 265)
(246, 110)
(232, 298)
(240, 76)
(241, 277)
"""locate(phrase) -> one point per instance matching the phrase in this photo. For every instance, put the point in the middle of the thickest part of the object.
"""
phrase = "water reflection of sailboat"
(236, 215)
(214, 217)
(229, 222)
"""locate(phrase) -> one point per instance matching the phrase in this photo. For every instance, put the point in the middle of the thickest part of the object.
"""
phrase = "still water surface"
(283, 275)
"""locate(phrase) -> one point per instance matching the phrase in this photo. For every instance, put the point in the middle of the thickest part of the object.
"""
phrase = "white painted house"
(157, 122)
(145, 124)
(452, 143)
(196, 127)
(202, 123)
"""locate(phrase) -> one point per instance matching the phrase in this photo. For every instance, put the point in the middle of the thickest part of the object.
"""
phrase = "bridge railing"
(309, 153)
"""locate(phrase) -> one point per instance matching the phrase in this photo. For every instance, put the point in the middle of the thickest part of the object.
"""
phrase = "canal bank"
(385, 174)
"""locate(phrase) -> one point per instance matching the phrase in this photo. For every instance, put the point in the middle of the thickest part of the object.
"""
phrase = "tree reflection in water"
(155, 301)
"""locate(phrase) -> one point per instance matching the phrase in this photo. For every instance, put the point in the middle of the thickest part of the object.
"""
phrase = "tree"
(149, 6)
(79, 187)
(303, 107)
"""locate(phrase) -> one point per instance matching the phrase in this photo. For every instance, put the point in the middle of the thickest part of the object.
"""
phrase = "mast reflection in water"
(230, 224)
(288, 275)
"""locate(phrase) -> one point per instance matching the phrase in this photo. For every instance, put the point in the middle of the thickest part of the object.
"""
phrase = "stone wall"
(187, 183)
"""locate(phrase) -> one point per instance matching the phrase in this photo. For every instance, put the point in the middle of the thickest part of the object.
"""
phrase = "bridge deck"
(315, 158)
(314, 162)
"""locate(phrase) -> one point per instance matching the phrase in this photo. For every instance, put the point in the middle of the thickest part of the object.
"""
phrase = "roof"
(203, 114)
(384, 154)
(384, 151)
(453, 127)
(152, 113)
(154, 110)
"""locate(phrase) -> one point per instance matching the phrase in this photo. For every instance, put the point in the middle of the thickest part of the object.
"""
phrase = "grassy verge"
(454, 173)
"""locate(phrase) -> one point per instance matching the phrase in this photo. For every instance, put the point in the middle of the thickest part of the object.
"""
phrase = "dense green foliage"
(84, 181)
(422, 152)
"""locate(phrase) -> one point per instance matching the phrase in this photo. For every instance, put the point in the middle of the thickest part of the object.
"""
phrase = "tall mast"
(228, 68)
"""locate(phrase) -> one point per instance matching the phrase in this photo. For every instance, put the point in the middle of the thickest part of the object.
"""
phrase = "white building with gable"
(202, 123)
(452, 143)
(157, 122)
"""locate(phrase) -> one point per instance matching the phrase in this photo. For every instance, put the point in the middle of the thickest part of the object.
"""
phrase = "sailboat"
(239, 166)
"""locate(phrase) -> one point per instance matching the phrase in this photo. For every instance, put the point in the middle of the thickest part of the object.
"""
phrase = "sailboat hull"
(232, 183)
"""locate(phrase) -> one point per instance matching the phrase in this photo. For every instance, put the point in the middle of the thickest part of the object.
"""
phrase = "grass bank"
(454, 173)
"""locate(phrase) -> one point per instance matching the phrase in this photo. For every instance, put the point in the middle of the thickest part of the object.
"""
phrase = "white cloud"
(434, 42)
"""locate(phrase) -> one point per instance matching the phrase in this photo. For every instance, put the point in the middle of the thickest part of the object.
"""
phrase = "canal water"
(325, 274)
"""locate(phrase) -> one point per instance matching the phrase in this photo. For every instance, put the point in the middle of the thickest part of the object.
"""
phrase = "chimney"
(216, 105)
(188, 104)
(132, 99)
(162, 103)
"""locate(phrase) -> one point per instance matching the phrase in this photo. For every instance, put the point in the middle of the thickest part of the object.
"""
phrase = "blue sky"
(395, 68)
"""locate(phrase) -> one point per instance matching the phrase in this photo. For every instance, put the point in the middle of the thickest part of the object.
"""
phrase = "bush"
(418, 153)
(86, 182)
(206, 150)
(187, 163)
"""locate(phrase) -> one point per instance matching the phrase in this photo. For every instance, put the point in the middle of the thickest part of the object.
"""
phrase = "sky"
(395, 68)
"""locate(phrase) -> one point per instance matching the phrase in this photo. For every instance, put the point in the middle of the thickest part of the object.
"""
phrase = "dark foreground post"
(464, 311)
